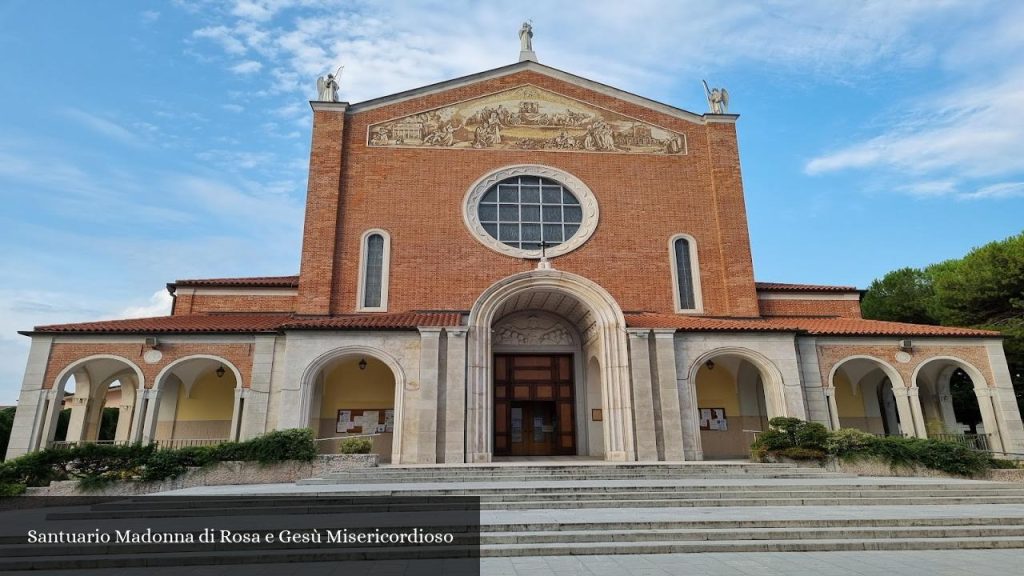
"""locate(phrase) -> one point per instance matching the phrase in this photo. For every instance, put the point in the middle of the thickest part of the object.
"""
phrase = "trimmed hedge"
(798, 440)
(95, 465)
(356, 446)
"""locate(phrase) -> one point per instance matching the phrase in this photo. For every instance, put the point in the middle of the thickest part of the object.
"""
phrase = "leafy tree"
(6, 422)
(902, 295)
(984, 289)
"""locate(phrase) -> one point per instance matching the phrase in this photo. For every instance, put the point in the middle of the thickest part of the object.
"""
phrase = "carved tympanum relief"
(531, 329)
(526, 118)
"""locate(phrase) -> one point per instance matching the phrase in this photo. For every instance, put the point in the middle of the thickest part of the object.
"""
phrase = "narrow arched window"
(373, 278)
(685, 273)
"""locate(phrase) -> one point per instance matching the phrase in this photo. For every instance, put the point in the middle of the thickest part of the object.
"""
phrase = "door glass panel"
(517, 424)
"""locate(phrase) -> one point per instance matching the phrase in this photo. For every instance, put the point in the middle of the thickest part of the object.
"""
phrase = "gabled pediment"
(526, 117)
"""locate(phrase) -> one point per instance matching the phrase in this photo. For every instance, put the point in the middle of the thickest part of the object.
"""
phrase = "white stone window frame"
(384, 272)
(698, 299)
(588, 202)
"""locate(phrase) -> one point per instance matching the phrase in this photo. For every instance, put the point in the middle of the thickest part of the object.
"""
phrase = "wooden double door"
(534, 405)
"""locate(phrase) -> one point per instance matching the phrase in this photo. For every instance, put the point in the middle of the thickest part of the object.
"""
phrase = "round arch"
(771, 376)
(907, 408)
(167, 370)
(63, 375)
(610, 337)
(307, 384)
(990, 415)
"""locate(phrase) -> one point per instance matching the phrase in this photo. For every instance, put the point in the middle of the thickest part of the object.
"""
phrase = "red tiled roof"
(222, 323)
(811, 326)
(378, 321)
(862, 327)
(783, 287)
(175, 324)
(252, 282)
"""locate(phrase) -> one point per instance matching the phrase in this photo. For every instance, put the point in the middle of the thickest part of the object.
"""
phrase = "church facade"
(520, 262)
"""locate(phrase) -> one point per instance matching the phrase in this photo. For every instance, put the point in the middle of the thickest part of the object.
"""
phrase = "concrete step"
(780, 533)
(739, 502)
(817, 545)
(349, 479)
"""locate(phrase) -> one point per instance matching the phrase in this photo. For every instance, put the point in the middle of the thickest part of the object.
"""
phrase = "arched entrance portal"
(956, 403)
(88, 385)
(198, 403)
(738, 391)
(355, 392)
(869, 395)
(547, 369)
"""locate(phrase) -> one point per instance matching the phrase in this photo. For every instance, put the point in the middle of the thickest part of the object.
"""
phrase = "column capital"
(829, 391)
(638, 332)
(900, 391)
(664, 333)
(434, 331)
(913, 391)
(983, 392)
(457, 331)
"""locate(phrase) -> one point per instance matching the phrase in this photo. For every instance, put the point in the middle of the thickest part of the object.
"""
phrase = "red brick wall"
(830, 355)
(841, 308)
(416, 195)
(207, 303)
(63, 355)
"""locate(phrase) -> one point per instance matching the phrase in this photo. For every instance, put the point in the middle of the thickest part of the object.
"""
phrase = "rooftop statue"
(718, 99)
(327, 88)
(526, 37)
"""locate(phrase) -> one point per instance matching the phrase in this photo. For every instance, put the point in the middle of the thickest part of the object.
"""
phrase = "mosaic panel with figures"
(526, 118)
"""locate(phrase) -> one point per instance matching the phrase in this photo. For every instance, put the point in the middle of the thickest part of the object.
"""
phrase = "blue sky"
(142, 142)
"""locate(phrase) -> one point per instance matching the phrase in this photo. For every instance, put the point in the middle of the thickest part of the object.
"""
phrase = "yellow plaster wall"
(212, 398)
(717, 389)
(346, 386)
(849, 405)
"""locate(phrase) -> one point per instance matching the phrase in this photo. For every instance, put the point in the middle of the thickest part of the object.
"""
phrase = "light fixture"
(710, 364)
(220, 371)
(362, 363)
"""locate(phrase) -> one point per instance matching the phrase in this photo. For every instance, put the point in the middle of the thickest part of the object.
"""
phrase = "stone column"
(668, 395)
(643, 401)
(1009, 430)
(152, 416)
(138, 416)
(419, 445)
(833, 407)
(902, 394)
(988, 418)
(819, 407)
(237, 413)
(254, 417)
(913, 394)
(32, 402)
(455, 397)
(692, 449)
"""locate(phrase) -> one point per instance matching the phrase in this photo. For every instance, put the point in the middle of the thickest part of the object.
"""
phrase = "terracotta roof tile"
(783, 287)
(251, 282)
(811, 326)
(175, 324)
(378, 321)
(222, 323)
(862, 327)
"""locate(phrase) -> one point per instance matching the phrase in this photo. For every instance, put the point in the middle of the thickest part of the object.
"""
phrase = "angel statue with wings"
(327, 88)
(718, 99)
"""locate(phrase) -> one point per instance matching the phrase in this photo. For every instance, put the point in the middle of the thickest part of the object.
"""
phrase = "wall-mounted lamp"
(710, 364)
(362, 363)
(220, 372)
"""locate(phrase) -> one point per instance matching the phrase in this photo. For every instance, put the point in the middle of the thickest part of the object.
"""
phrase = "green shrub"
(785, 433)
(163, 465)
(849, 441)
(7, 490)
(281, 445)
(230, 452)
(6, 422)
(1001, 464)
(199, 456)
(356, 446)
(802, 454)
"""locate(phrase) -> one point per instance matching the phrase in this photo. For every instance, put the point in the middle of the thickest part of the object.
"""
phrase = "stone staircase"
(574, 508)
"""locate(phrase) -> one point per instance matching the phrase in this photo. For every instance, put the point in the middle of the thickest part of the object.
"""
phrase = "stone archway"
(932, 377)
(93, 376)
(312, 387)
(600, 322)
(195, 400)
(859, 392)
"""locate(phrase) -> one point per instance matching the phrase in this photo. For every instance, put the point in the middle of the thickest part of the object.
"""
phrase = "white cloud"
(223, 36)
(159, 304)
(1001, 190)
(104, 126)
(236, 108)
(247, 67)
(150, 16)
